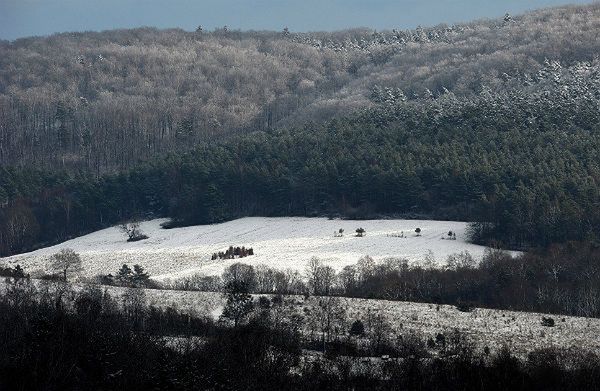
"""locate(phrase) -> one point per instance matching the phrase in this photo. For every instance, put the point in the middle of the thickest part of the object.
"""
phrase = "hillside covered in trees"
(102, 101)
(493, 121)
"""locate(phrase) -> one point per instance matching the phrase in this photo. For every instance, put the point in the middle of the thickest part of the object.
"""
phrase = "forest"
(100, 102)
(494, 122)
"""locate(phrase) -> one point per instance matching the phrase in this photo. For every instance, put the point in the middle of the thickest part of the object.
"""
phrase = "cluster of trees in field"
(126, 276)
(233, 252)
(103, 101)
(54, 337)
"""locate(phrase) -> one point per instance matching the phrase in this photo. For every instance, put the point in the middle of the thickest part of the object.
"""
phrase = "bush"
(357, 328)
(13, 272)
(264, 302)
(464, 306)
(51, 277)
(547, 322)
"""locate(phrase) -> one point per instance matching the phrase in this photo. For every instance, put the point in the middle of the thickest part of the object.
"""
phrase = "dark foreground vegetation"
(498, 126)
(54, 338)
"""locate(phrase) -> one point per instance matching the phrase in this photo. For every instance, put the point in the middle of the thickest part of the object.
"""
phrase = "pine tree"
(125, 274)
(139, 277)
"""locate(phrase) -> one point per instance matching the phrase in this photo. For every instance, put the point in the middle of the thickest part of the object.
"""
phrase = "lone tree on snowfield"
(360, 232)
(418, 231)
(66, 261)
(133, 231)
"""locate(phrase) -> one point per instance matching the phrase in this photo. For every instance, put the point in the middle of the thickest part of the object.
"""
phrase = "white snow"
(283, 243)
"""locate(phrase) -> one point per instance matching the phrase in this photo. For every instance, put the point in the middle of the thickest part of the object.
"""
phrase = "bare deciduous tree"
(133, 231)
(66, 261)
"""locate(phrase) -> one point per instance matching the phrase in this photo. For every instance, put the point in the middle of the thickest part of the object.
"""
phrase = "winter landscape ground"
(237, 139)
(522, 332)
(283, 243)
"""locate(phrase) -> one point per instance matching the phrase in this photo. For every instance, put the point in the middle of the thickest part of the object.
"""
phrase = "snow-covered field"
(277, 242)
(521, 331)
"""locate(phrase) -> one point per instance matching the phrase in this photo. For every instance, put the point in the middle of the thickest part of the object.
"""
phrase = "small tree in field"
(418, 231)
(133, 231)
(360, 232)
(66, 261)
(548, 322)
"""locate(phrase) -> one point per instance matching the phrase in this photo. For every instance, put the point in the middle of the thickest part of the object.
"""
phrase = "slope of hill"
(281, 243)
(103, 101)
(495, 122)
(521, 332)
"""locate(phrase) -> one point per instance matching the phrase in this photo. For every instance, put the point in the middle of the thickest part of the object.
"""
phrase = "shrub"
(14, 272)
(464, 306)
(264, 302)
(133, 231)
(431, 343)
(547, 322)
(357, 328)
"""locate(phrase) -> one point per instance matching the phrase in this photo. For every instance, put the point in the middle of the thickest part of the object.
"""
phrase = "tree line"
(562, 279)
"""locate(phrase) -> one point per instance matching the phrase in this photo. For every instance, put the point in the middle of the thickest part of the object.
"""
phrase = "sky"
(22, 18)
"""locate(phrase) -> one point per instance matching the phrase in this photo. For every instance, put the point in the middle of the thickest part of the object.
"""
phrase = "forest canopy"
(101, 102)
(494, 122)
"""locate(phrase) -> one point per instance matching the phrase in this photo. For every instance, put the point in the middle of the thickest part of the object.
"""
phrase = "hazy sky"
(20, 18)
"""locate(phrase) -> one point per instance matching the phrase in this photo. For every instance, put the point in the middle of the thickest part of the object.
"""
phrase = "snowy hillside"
(277, 242)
